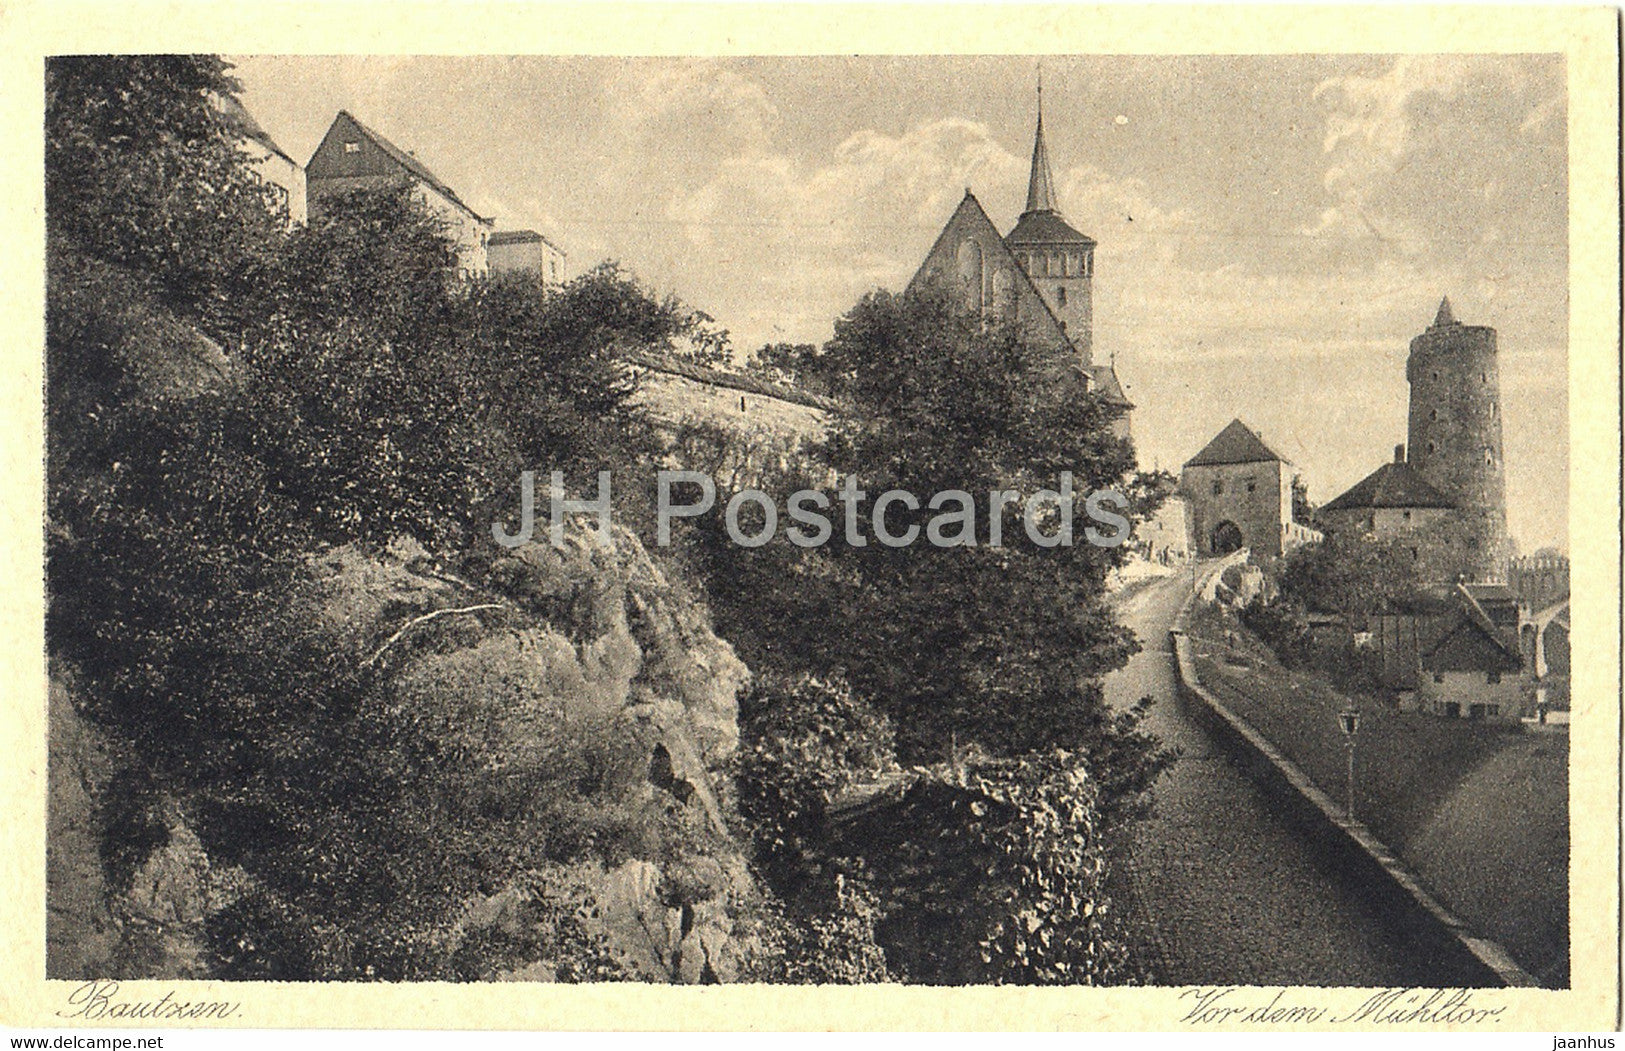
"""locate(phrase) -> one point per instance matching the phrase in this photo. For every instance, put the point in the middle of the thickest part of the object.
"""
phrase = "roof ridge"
(413, 166)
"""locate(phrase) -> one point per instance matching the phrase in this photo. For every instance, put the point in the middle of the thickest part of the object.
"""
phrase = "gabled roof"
(1237, 443)
(971, 217)
(1471, 643)
(1391, 485)
(237, 117)
(333, 163)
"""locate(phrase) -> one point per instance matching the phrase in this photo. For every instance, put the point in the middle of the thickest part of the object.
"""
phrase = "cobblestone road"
(1220, 890)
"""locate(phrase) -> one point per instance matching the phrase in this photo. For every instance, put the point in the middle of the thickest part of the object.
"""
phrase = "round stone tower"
(1455, 437)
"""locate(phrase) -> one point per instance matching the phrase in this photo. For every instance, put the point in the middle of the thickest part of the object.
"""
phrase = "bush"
(1282, 627)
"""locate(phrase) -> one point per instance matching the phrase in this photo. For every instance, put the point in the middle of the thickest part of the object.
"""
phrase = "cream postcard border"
(1586, 36)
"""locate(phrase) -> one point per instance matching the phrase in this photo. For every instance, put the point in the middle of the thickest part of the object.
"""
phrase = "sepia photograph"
(962, 519)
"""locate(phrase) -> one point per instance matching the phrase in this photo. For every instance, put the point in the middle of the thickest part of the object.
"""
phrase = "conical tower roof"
(1040, 184)
(1041, 222)
(1444, 316)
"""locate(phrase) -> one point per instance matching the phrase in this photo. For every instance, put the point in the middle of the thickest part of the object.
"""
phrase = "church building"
(1041, 273)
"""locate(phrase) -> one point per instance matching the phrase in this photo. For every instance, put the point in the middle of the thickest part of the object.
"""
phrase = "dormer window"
(352, 147)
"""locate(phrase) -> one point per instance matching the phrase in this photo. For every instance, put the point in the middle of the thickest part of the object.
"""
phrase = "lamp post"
(1349, 721)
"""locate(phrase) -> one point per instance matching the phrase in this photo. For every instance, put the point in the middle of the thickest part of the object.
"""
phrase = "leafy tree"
(1302, 510)
(1354, 575)
(142, 169)
(997, 646)
(790, 364)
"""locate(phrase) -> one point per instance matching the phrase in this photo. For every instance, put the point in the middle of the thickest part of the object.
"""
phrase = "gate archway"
(1226, 537)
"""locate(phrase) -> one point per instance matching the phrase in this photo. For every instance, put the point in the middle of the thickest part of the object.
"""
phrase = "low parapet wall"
(1458, 956)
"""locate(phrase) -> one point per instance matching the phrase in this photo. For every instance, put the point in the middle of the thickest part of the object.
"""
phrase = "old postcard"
(902, 517)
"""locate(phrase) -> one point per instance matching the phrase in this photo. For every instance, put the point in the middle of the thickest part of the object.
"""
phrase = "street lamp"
(1349, 720)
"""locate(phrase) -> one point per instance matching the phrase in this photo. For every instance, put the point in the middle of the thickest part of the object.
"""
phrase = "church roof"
(1237, 443)
(1035, 228)
(1103, 381)
(1391, 485)
(333, 163)
(1040, 184)
(1041, 221)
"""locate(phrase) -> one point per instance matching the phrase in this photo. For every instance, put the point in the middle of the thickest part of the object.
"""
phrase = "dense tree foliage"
(229, 401)
(1000, 646)
(1354, 575)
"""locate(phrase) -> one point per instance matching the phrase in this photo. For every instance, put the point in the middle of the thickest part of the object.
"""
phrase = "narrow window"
(1252, 485)
(1433, 414)
(1493, 678)
(1218, 487)
(1432, 448)
(1060, 294)
(1438, 677)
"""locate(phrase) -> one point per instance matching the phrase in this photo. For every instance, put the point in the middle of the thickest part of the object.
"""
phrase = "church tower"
(1059, 260)
(1455, 436)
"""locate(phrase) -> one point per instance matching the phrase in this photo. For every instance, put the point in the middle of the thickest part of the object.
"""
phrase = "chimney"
(1399, 454)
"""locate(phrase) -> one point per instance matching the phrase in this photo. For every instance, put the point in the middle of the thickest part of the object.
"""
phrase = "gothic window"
(1435, 377)
(1004, 291)
(970, 272)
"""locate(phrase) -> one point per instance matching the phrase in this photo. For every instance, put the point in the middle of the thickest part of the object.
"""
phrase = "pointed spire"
(1444, 317)
(1041, 185)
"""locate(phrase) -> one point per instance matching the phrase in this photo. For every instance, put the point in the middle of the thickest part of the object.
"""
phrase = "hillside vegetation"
(309, 721)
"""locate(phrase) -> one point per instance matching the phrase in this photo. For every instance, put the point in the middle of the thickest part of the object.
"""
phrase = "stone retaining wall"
(1458, 956)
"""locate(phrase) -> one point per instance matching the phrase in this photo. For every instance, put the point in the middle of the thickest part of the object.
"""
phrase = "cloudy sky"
(1273, 230)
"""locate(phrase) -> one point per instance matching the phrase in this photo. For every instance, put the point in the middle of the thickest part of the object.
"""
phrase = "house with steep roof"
(1238, 493)
(353, 156)
(1471, 667)
(1041, 275)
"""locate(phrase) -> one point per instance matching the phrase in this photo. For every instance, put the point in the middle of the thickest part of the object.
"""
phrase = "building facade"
(526, 253)
(352, 156)
(284, 175)
(1238, 493)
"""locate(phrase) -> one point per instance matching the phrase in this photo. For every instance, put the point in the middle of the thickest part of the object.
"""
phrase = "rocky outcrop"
(587, 658)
